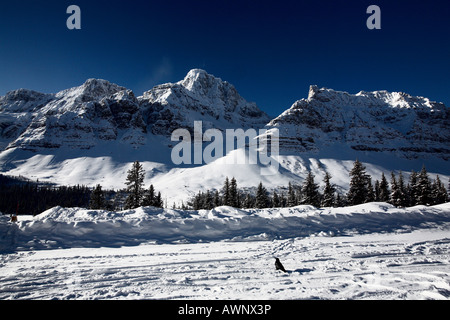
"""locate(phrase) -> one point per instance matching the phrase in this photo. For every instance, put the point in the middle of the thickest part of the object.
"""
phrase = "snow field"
(370, 251)
(411, 265)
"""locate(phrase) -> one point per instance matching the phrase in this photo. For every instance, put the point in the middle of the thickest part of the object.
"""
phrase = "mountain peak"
(199, 96)
(196, 72)
(91, 89)
(95, 82)
(104, 86)
(313, 89)
(23, 95)
(200, 80)
(23, 100)
(324, 94)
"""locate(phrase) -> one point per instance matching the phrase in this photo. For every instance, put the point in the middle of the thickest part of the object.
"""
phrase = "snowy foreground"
(372, 251)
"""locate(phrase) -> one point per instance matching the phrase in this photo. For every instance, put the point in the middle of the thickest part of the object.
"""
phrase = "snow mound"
(75, 227)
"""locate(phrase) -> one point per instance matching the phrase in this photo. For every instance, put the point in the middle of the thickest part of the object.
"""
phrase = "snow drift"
(76, 227)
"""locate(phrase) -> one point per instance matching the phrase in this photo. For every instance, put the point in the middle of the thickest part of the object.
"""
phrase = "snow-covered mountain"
(92, 133)
(98, 110)
(76, 118)
(199, 96)
(379, 121)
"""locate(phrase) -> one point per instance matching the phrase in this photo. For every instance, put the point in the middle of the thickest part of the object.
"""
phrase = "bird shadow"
(301, 270)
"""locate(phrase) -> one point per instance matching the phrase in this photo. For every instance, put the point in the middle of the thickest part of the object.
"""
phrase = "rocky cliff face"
(381, 121)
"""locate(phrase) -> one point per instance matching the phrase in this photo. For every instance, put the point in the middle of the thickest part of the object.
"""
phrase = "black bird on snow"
(278, 265)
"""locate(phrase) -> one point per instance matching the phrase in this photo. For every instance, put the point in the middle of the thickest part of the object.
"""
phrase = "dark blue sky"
(270, 50)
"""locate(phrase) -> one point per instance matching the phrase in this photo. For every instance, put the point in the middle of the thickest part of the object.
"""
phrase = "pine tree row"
(418, 191)
(25, 197)
(21, 196)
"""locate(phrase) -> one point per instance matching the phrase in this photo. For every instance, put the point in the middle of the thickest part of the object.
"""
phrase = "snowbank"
(76, 227)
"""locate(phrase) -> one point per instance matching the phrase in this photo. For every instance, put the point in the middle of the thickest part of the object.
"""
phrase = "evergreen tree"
(340, 200)
(216, 201)
(448, 188)
(370, 196)
(275, 200)
(396, 192)
(97, 198)
(283, 200)
(404, 201)
(358, 184)
(135, 183)
(197, 203)
(248, 202)
(423, 188)
(149, 197)
(328, 198)
(207, 200)
(233, 194)
(226, 193)
(291, 200)
(310, 191)
(377, 190)
(262, 200)
(159, 201)
(384, 189)
(413, 190)
(438, 192)
(298, 196)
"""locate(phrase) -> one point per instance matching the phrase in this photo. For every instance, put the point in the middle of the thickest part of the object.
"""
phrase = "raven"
(278, 265)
